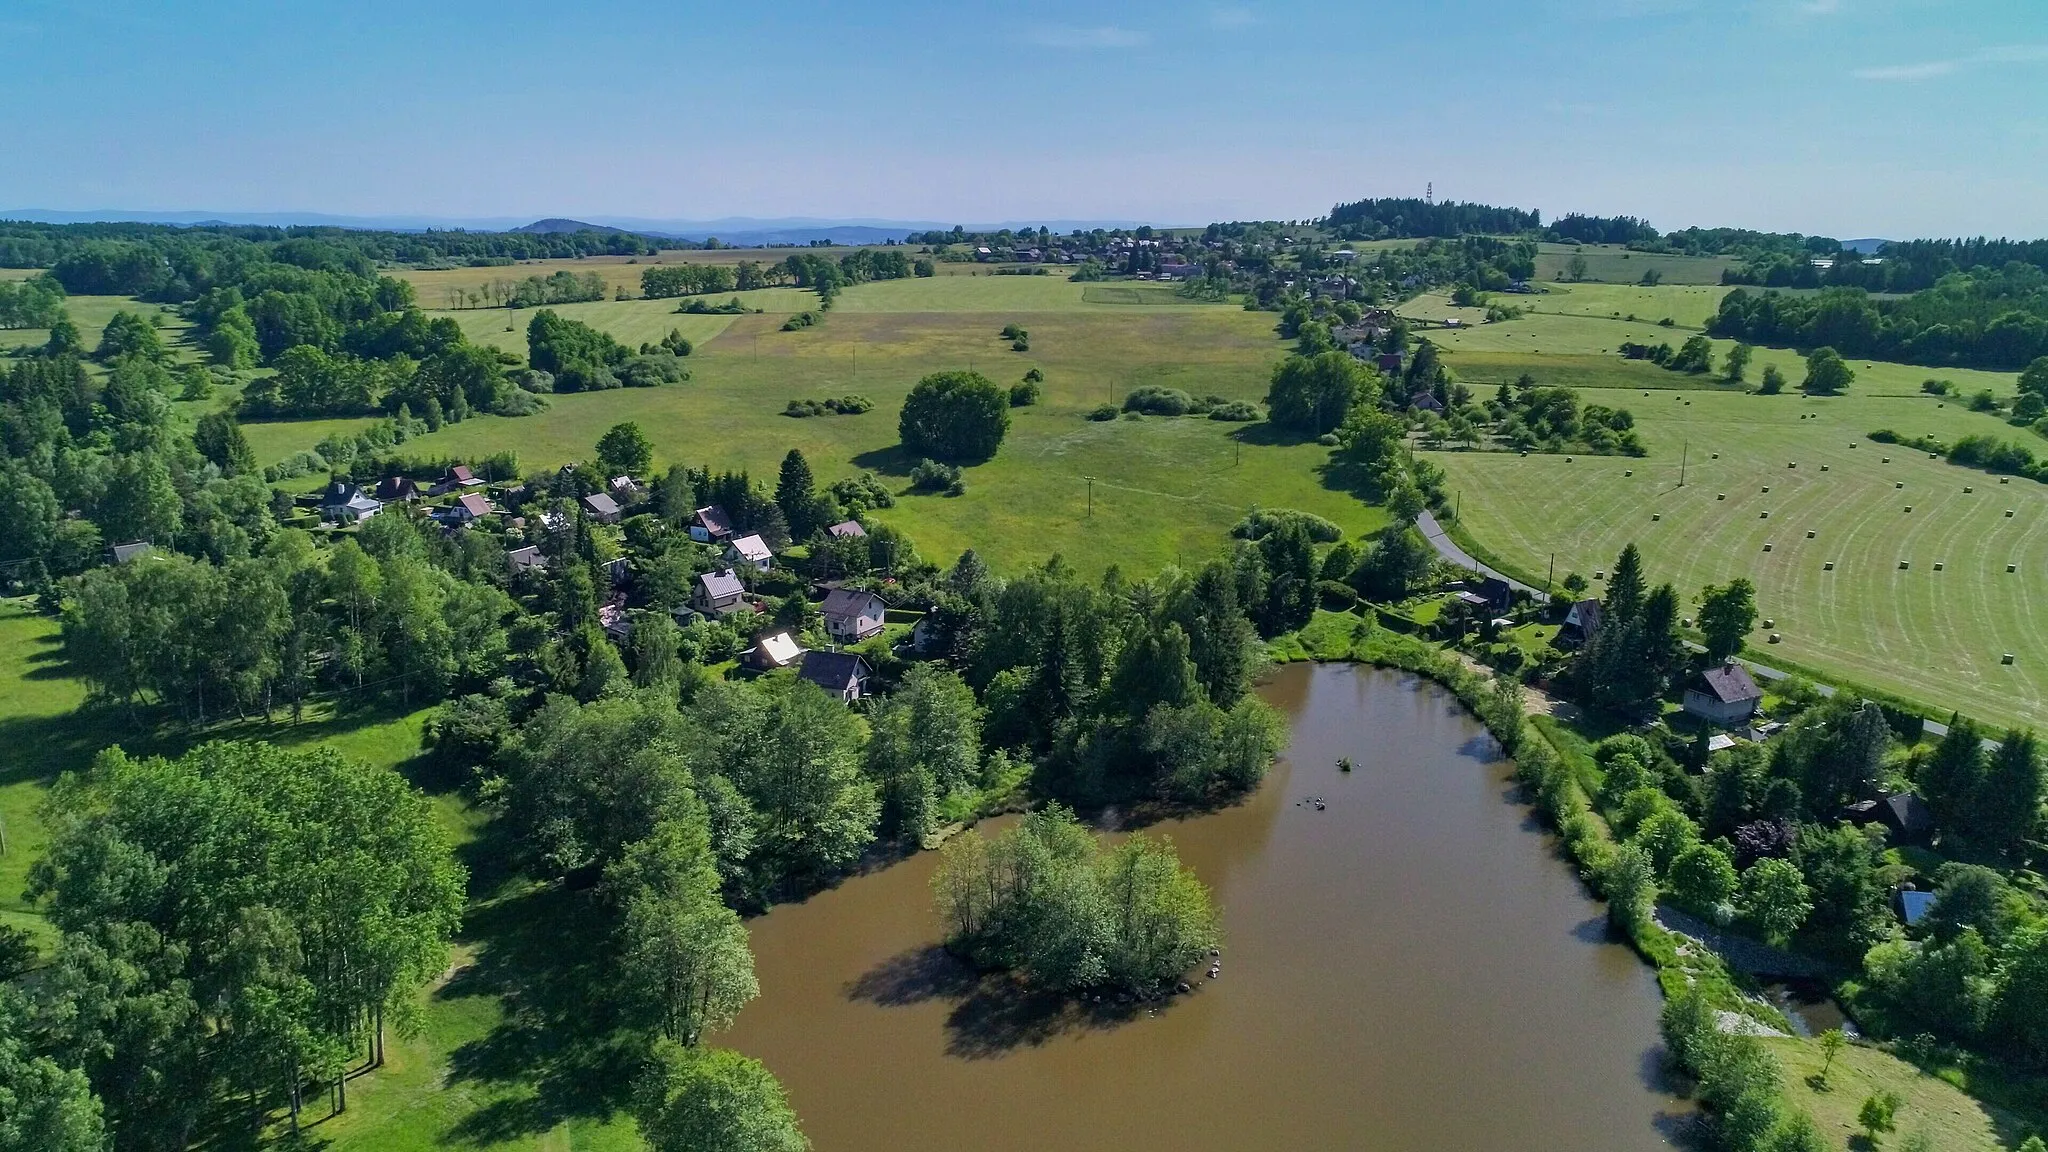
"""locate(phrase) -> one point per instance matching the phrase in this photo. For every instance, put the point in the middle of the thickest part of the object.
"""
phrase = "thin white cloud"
(1089, 39)
(1232, 18)
(1907, 73)
(1935, 69)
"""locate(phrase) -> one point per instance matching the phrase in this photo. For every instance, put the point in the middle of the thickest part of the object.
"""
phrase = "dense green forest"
(153, 259)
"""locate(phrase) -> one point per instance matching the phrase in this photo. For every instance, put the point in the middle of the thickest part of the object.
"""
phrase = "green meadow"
(1936, 636)
(91, 314)
(1164, 488)
(1613, 264)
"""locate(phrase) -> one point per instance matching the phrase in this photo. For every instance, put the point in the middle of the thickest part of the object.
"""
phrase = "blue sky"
(1844, 117)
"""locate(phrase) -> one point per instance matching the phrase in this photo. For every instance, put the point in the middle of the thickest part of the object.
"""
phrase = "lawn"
(1688, 306)
(1614, 264)
(633, 322)
(1165, 488)
(91, 314)
(1956, 1121)
(1933, 636)
(36, 701)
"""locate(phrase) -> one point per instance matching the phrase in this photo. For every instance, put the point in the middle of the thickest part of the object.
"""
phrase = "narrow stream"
(1410, 968)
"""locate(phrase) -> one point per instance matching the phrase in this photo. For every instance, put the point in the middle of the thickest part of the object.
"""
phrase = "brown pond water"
(1411, 969)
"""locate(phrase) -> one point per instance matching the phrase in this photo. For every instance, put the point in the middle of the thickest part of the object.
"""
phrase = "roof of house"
(342, 494)
(714, 520)
(1720, 742)
(474, 504)
(1914, 905)
(1585, 616)
(1496, 590)
(1730, 684)
(526, 557)
(846, 530)
(721, 585)
(779, 648)
(601, 504)
(396, 487)
(849, 603)
(123, 553)
(1909, 813)
(752, 548)
(624, 484)
(460, 474)
(833, 671)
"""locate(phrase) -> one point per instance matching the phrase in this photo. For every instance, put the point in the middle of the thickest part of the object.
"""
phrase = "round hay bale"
(1724, 496)
(2006, 658)
(1967, 489)
(1763, 516)
(2012, 567)
(1656, 516)
(1767, 487)
(1767, 547)
(1775, 637)
(1904, 564)
(1809, 534)
(1770, 624)
(1828, 567)
(1823, 467)
(1937, 565)
(1909, 507)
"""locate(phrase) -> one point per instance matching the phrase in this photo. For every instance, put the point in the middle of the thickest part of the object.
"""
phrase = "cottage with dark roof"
(1724, 695)
(344, 502)
(602, 508)
(526, 559)
(393, 489)
(843, 674)
(718, 593)
(710, 525)
(852, 616)
(1579, 624)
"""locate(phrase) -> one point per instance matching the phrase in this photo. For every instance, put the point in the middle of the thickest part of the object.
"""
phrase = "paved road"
(1449, 550)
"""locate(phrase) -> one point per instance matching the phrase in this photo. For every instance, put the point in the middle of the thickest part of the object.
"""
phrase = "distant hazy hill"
(559, 224)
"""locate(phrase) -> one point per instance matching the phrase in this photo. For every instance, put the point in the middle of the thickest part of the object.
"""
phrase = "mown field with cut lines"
(1931, 635)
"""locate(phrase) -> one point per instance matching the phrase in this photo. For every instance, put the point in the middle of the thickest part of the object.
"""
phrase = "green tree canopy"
(1313, 394)
(955, 416)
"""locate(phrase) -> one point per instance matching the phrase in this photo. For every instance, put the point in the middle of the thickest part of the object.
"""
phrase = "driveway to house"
(1449, 550)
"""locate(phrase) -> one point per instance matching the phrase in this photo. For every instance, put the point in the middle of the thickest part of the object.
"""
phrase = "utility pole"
(1550, 581)
(1091, 496)
(1684, 451)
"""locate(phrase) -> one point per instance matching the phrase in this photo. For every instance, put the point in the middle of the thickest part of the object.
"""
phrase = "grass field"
(1688, 306)
(1934, 636)
(634, 322)
(1164, 488)
(1956, 1121)
(1617, 265)
(91, 314)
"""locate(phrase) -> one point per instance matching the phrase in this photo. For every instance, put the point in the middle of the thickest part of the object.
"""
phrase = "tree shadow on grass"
(894, 460)
(993, 1013)
(563, 1050)
(1267, 434)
